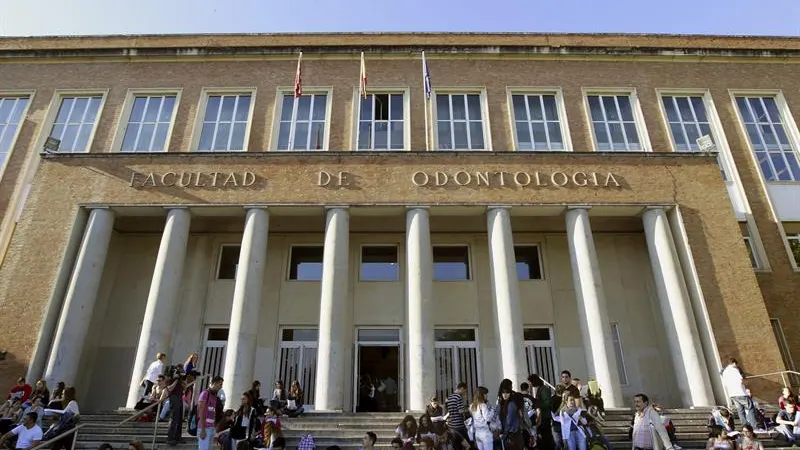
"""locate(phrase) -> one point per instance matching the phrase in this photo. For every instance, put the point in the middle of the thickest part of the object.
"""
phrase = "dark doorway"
(379, 380)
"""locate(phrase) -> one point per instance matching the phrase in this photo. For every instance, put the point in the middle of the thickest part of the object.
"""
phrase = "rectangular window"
(617, 343)
(75, 122)
(750, 251)
(379, 263)
(11, 111)
(794, 246)
(381, 122)
(148, 123)
(783, 346)
(768, 138)
(302, 122)
(228, 262)
(459, 122)
(529, 263)
(614, 123)
(450, 263)
(688, 121)
(306, 263)
(299, 335)
(536, 122)
(454, 335)
(225, 123)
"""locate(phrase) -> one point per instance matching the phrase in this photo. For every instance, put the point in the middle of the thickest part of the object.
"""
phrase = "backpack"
(595, 443)
(306, 443)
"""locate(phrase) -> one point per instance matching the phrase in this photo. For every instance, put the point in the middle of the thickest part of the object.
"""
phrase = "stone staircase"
(346, 430)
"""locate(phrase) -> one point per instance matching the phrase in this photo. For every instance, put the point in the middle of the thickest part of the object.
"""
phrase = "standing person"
(207, 405)
(175, 393)
(482, 416)
(733, 381)
(544, 400)
(28, 434)
(155, 369)
(245, 423)
(255, 395)
(511, 411)
(572, 425)
(455, 417)
(191, 365)
(647, 429)
(529, 402)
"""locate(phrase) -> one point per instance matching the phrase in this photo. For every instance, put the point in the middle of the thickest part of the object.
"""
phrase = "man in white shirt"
(28, 434)
(733, 381)
(151, 376)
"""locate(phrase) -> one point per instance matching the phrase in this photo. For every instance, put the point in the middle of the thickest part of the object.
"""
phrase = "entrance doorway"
(456, 353)
(212, 360)
(298, 361)
(540, 353)
(378, 368)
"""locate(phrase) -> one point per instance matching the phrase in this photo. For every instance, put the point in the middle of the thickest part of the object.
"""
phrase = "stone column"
(79, 302)
(592, 311)
(419, 292)
(240, 354)
(162, 301)
(505, 295)
(334, 336)
(685, 348)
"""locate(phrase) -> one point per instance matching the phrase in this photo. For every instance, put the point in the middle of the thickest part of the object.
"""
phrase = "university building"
(623, 206)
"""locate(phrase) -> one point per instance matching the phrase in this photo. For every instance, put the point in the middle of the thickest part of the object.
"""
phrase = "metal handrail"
(61, 436)
(782, 373)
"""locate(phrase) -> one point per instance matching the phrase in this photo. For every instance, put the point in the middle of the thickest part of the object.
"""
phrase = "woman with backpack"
(482, 417)
(512, 411)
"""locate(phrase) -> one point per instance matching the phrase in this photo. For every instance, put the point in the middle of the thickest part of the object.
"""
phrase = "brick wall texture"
(739, 300)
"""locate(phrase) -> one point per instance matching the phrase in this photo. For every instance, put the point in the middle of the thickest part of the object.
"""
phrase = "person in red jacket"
(21, 391)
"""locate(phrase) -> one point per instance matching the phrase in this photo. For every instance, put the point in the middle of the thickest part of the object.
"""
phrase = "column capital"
(328, 208)
(655, 208)
(254, 206)
(410, 207)
(168, 207)
(571, 207)
(491, 207)
(100, 207)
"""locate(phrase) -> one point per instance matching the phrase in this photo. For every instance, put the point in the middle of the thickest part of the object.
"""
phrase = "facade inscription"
(344, 180)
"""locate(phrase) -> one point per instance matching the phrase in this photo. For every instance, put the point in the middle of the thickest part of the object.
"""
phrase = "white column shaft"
(419, 291)
(159, 314)
(333, 309)
(505, 295)
(240, 354)
(79, 302)
(592, 311)
(685, 348)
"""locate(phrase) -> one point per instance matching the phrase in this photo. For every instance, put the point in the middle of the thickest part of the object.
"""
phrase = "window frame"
(724, 157)
(788, 237)
(289, 261)
(789, 125)
(465, 90)
(219, 261)
(127, 109)
(616, 339)
(638, 116)
(511, 91)
(278, 109)
(52, 112)
(16, 93)
(378, 244)
(470, 267)
(541, 261)
(406, 92)
(197, 128)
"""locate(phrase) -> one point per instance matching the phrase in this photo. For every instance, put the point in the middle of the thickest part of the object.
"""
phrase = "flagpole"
(427, 100)
(297, 90)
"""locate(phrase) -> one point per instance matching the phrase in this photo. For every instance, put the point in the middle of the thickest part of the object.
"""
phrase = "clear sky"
(70, 17)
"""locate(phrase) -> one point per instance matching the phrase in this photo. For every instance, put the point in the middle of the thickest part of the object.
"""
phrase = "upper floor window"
(225, 122)
(148, 123)
(305, 263)
(12, 110)
(459, 122)
(614, 122)
(379, 263)
(75, 122)
(228, 262)
(528, 262)
(302, 122)
(688, 120)
(450, 263)
(381, 124)
(794, 246)
(537, 124)
(768, 138)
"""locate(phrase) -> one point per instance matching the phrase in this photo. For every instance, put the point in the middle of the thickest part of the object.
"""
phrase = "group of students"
(22, 412)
